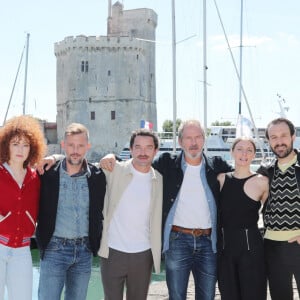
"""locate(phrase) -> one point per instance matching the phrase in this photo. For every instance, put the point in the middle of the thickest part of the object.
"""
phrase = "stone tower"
(108, 82)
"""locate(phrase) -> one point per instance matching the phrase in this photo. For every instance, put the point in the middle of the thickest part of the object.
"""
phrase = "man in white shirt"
(131, 239)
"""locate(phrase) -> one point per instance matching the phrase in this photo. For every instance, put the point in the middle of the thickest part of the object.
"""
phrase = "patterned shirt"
(283, 208)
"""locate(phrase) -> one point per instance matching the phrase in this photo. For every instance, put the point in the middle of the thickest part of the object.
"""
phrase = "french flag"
(146, 125)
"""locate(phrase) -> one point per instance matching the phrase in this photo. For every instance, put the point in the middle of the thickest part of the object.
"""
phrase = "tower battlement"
(97, 43)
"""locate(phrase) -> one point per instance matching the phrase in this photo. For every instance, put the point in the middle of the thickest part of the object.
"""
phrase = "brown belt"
(192, 231)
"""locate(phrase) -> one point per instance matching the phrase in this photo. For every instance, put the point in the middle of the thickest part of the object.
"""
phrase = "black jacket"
(49, 201)
(169, 165)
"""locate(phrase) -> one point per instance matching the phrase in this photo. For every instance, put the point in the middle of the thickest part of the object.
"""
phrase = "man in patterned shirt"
(282, 211)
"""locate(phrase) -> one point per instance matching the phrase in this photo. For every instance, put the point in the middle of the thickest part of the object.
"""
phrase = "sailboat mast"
(204, 67)
(25, 79)
(238, 76)
(174, 74)
(241, 59)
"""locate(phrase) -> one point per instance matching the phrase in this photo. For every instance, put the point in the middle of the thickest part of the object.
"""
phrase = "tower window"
(84, 66)
(113, 115)
(93, 115)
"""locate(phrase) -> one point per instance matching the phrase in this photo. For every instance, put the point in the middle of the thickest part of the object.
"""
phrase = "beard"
(75, 162)
(193, 155)
(282, 153)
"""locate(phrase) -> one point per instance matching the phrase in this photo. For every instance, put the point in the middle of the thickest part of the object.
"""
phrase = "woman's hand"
(295, 239)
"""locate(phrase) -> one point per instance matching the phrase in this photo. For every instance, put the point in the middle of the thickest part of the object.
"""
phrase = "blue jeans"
(188, 253)
(66, 263)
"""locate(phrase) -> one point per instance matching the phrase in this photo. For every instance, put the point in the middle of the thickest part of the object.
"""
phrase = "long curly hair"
(26, 127)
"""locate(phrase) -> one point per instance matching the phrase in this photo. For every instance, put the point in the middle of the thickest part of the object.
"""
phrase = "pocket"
(7, 224)
(5, 217)
(30, 218)
(54, 245)
(174, 236)
(87, 245)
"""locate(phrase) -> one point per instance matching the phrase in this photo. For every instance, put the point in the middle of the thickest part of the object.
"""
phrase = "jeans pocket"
(87, 246)
(208, 237)
(174, 235)
(54, 245)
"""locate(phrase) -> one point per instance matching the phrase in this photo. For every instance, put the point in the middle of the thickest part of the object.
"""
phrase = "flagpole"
(204, 72)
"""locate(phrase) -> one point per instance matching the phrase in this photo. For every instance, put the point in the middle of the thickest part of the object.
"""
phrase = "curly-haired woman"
(21, 147)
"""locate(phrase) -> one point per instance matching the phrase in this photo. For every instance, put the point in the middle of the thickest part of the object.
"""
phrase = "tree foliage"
(168, 125)
(224, 123)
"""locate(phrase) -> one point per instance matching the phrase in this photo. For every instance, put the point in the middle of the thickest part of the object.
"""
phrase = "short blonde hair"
(76, 128)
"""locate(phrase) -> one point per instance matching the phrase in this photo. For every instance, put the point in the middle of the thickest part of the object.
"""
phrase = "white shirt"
(192, 210)
(129, 227)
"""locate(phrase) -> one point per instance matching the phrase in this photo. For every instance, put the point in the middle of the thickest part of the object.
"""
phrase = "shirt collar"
(85, 169)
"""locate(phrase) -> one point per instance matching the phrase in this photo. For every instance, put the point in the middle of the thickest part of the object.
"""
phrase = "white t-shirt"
(192, 210)
(129, 227)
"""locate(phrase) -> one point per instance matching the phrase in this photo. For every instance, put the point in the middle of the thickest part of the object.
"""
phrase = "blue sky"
(271, 63)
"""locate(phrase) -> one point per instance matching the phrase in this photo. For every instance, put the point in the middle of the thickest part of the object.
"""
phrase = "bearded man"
(282, 211)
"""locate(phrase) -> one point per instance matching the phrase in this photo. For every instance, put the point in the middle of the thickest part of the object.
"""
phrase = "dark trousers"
(241, 267)
(130, 269)
(282, 263)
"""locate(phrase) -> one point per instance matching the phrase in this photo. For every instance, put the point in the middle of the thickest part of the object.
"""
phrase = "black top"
(237, 210)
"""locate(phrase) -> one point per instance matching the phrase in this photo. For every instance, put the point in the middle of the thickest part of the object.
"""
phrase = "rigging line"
(239, 78)
(12, 92)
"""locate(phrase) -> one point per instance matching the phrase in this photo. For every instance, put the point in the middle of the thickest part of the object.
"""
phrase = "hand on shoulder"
(262, 183)
(108, 162)
(45, 164)
(221, 179)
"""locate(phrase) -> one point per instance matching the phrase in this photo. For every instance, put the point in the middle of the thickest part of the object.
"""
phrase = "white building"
(108, 82)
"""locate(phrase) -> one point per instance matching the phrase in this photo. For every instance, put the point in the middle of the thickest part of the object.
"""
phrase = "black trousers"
(282, 263)
(241, 266)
